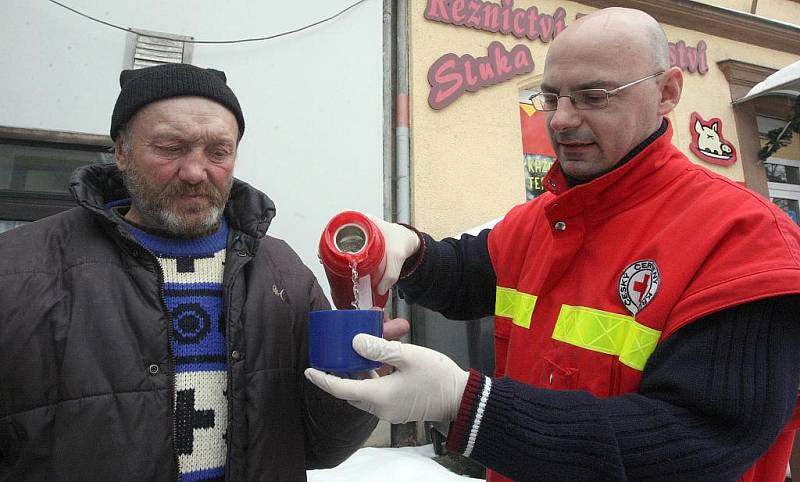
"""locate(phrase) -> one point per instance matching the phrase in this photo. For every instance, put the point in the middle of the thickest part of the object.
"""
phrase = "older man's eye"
(219, 152)
(170, 149)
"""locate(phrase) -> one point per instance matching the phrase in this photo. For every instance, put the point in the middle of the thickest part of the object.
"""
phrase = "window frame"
(781, 189)
(30, 206)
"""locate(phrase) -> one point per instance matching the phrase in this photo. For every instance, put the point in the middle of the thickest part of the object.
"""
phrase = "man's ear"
(119, 154)
(671, 88)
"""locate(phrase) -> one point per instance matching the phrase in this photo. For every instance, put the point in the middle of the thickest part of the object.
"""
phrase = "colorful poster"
(537, 153)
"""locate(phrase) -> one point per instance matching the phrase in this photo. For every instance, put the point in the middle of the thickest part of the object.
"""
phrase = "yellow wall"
(467, 158)
(783, 10)
(741, 5)
(792, 151)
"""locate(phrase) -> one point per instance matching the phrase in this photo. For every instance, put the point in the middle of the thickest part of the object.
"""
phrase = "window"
(767, 123)
(782, 173)
(35, 168)
(783, 179)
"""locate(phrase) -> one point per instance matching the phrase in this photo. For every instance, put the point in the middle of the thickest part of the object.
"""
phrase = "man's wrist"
(477, 387)
(412, 262)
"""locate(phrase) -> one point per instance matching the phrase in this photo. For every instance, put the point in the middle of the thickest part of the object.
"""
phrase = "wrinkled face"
(588, 143)
(177, 158)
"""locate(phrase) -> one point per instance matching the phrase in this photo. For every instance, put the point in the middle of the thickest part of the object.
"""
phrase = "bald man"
(646, 308)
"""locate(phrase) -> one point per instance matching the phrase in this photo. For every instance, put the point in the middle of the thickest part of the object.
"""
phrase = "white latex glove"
(426, 384)
(401, 243)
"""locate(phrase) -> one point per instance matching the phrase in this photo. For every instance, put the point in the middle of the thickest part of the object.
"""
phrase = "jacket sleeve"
(334, 429)
(454, 277)
(712, 399)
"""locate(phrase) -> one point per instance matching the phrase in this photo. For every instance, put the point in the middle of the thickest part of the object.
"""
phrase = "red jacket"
(591, 278)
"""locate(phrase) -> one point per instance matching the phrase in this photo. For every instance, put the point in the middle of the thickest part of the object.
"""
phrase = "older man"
(155, 332)
(646, 321)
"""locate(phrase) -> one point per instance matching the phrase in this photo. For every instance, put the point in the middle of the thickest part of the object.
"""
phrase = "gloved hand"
(401, 243)
(426, 384)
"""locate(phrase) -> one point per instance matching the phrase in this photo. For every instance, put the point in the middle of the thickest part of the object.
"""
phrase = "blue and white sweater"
(193, 295)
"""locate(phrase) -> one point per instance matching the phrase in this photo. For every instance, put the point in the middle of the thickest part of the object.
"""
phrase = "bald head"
(628, 31)
(620, 51)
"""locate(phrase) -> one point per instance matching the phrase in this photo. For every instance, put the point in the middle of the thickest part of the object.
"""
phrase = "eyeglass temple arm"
(631, 84)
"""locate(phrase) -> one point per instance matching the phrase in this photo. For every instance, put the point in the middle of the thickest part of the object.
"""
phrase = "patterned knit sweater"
(192, 294)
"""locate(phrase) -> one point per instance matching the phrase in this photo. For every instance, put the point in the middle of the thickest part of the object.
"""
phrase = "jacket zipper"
(227, 308)
(160, 273)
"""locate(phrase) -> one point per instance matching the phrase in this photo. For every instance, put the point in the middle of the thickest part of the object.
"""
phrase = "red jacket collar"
(657, 164)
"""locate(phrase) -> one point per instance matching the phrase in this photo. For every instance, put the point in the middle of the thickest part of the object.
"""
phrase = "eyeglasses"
(585, 99)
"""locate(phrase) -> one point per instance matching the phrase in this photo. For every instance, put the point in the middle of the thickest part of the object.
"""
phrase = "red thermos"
(351, 241)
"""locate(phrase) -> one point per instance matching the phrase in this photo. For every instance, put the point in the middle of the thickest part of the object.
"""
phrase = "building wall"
(312, 101)
(467, 157)
(792, 151)
(741, 5)
(783, 10)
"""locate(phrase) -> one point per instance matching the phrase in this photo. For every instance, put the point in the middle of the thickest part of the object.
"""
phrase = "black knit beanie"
(143, 86)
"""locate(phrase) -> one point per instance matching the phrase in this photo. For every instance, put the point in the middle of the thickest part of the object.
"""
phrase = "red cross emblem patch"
(639, 284)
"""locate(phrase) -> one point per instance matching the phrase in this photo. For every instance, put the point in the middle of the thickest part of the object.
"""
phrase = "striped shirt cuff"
(464, 430)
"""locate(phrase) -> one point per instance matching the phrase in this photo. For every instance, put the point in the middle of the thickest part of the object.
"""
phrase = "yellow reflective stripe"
(639, 345)
(514, 304)
(607, 332)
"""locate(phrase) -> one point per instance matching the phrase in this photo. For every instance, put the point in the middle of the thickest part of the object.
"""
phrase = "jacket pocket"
(502, 332)
(559, 377)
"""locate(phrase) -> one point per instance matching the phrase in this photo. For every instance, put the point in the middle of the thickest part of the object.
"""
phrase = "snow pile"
(401, 464)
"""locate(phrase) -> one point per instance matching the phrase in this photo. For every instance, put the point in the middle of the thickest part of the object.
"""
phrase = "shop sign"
(498, 17)
(452, 75)
(708, 142)
(692, 59)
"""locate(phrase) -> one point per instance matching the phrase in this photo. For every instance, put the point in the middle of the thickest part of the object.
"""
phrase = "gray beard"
(153, 208)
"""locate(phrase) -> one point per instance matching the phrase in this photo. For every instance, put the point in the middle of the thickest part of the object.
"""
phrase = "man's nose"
(193, 167)
(566, 116)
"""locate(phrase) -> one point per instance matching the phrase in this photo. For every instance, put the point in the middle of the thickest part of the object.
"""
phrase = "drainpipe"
(388, 108)
(403, 434)
(402, 142)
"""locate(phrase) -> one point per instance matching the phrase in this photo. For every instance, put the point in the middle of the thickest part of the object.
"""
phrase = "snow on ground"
(401, 464)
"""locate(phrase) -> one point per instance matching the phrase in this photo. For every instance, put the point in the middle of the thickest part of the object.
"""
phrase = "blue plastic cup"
(330, 339)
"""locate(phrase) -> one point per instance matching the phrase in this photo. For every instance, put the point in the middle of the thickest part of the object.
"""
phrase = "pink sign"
(498, 17)
(708, 142)
(451, 75)
(692, 59)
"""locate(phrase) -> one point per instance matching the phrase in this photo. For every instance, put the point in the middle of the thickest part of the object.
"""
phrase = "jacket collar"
(650, 165)
(247, 210)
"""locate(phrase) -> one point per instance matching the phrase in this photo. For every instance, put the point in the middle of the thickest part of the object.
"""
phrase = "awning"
(784, 82)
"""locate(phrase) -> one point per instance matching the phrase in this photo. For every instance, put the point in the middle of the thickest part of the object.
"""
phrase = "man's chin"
(579, 169)
(191, 224)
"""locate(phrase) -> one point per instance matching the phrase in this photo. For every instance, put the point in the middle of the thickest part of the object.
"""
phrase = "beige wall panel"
(741, 5)
(467, 158)
(792, 151)
(783, 10)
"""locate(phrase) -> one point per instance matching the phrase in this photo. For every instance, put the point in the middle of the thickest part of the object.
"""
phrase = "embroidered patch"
(639, 284)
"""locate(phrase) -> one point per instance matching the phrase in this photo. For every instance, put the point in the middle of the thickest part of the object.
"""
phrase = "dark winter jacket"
(86, 376)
